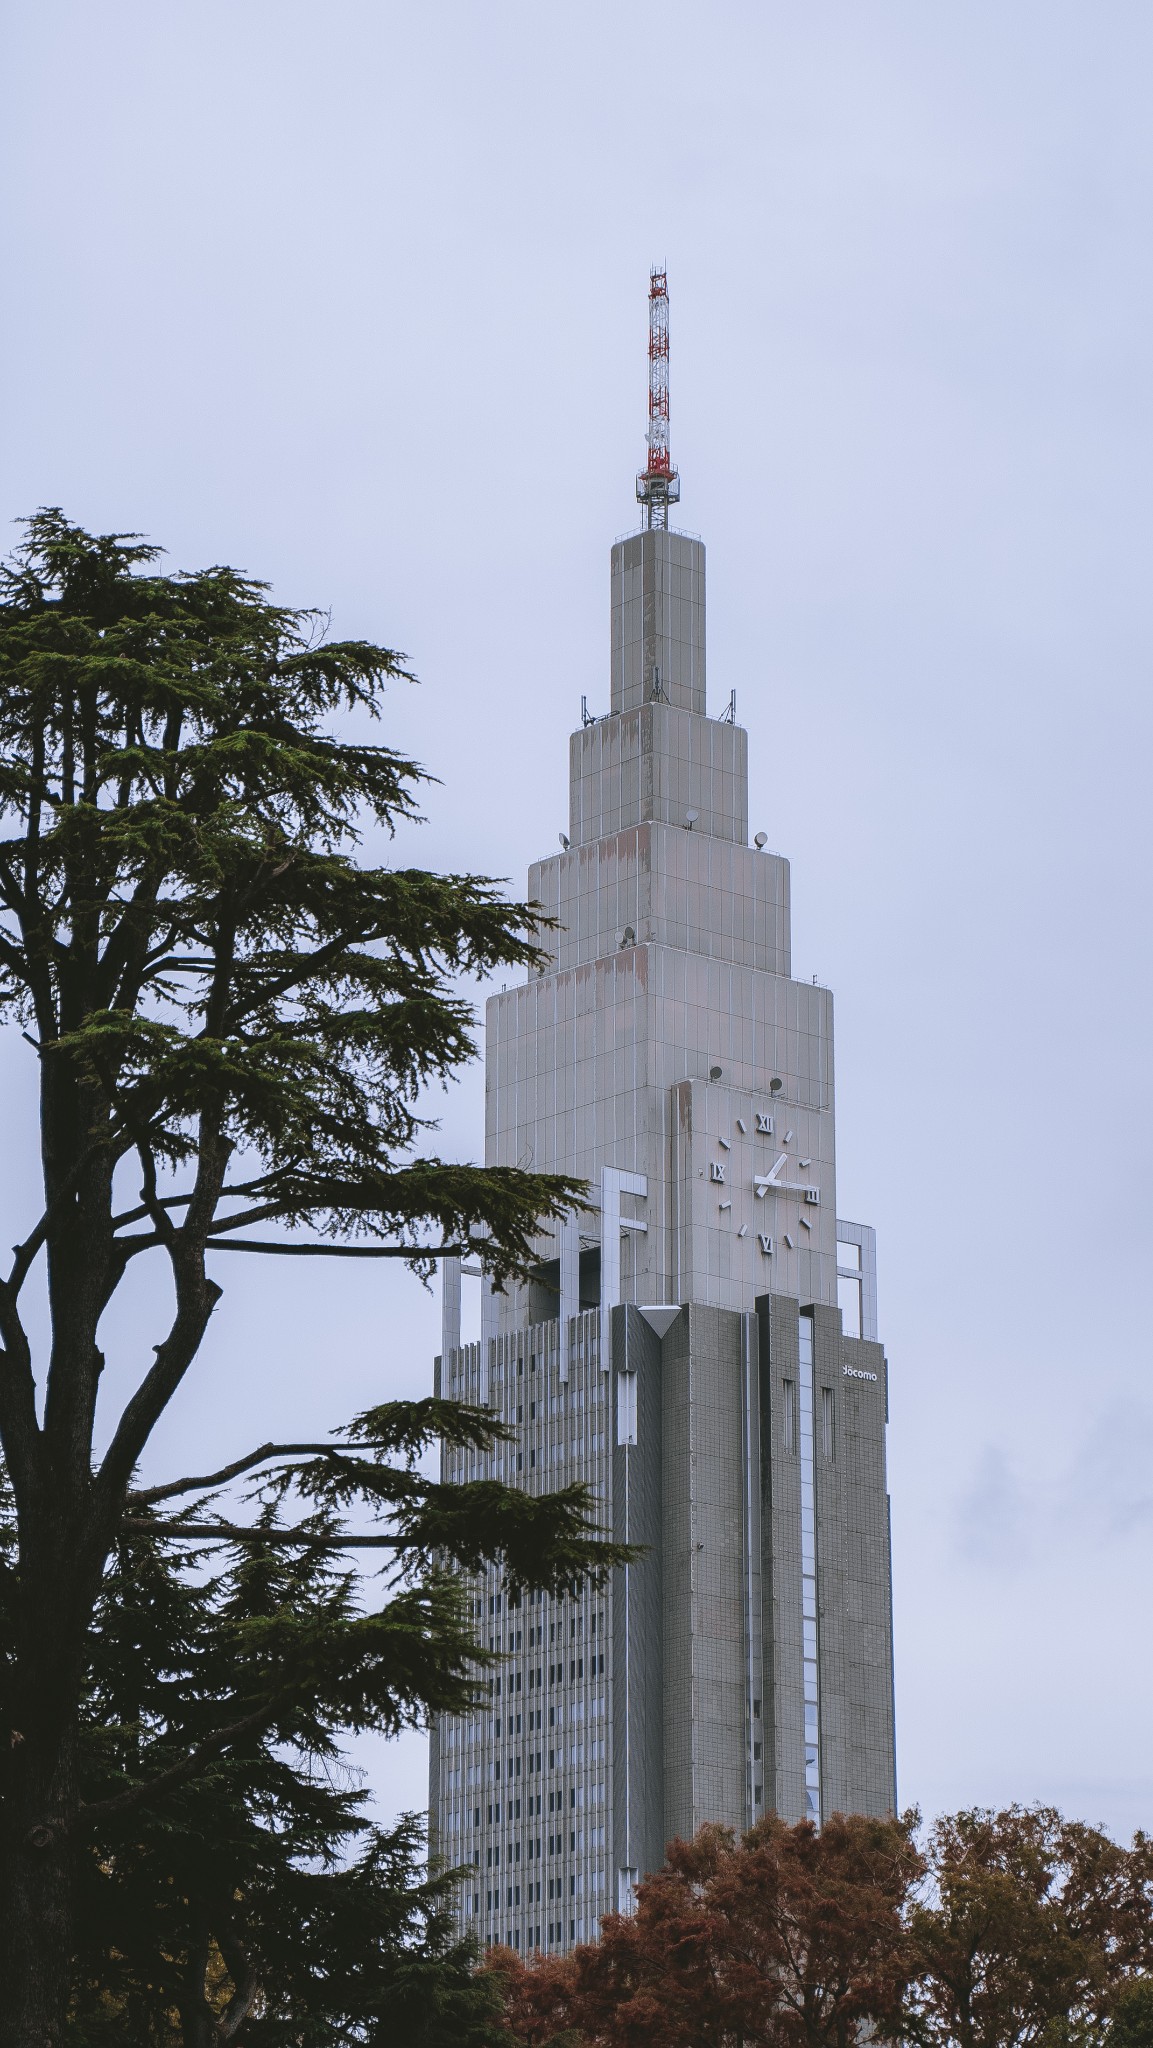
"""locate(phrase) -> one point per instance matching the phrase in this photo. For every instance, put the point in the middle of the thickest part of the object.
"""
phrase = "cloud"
(1100, 1498)
(993, 1515)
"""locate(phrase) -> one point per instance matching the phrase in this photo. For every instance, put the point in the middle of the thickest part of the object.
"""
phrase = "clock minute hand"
(763, 1181)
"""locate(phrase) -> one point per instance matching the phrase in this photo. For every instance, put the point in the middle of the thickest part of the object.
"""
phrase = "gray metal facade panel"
(856, 1582)
(679, 1703)
(659, 763)
(778, 1317)
(657, 609)
(706, 1693)
(638, 1612)
(669, 887)
(717, 1565)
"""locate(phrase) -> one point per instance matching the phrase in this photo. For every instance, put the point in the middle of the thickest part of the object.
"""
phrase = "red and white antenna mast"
(658, 485)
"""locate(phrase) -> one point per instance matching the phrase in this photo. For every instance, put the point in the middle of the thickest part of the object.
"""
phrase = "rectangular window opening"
(849, 1303)
(789, 1400)
(827, 1423)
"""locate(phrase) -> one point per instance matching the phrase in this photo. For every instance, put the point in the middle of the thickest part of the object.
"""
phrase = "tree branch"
(161, 1221)
(19, 1423)
(227, 1194)
(195, 1300)
(305, 966)
(24, 1254)
(330, 1251)
(178, 1774)
(236, 1532)
(244, 1977)
(148, 1494)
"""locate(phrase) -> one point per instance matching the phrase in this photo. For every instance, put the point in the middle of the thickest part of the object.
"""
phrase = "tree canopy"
(1031, 1929)
(258, 1902)
(1016, 1929)
(793, 1936)
(230, 1014)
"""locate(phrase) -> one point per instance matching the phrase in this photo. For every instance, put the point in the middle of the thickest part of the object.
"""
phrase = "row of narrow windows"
(544, 1888)
(535, 1680)
(791, 1420)
(545, 1934)
(570, 1842)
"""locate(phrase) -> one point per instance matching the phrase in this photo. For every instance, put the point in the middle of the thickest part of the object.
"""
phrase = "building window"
(626, 1407)
(849, 1287)
(827, 1441)
(789, 1413)
(849, 1302)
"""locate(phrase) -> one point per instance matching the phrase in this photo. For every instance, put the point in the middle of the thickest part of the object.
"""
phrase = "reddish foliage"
(791, 1937)
(1035, 1924)
(537, 1996)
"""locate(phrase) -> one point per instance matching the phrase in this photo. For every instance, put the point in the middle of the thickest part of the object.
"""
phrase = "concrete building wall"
(704, 1573)
(657, 765)
(671, 887)
(590, 1067)
(639, 1833)
(858, 1763)
(657, 612)
(715, 1407)
(778, 1318)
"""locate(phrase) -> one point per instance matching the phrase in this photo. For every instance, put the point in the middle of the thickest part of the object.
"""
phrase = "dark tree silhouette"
(229, 1016)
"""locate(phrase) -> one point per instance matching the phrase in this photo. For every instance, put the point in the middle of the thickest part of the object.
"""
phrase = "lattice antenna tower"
(658, 485)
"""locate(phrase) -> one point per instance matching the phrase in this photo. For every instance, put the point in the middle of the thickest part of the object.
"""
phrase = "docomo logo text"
(855, 1372)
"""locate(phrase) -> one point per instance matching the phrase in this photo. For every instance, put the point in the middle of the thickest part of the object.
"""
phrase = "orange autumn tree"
(790, 1938)
(1033, 1930)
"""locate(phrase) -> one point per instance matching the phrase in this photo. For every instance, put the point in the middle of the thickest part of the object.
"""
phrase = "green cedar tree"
(230, 1015)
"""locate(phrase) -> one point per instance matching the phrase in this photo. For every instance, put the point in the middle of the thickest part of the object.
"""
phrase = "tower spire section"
(658, 485)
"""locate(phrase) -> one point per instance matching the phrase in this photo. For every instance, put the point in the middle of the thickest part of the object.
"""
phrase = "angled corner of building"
(701, 1349)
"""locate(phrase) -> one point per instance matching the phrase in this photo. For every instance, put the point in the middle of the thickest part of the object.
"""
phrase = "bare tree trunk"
(36, 1896)
(197, 2022)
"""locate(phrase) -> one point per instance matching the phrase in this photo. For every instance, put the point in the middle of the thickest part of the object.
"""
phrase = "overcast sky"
(353, 296)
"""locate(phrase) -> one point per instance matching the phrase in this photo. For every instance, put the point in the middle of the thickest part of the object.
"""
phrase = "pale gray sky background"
(353, 296)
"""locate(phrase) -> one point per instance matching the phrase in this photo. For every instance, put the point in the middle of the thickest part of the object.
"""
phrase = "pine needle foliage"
(230, 1015)
(258, 1902)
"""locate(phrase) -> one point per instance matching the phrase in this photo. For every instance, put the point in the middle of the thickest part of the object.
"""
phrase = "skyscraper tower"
(701, 1349)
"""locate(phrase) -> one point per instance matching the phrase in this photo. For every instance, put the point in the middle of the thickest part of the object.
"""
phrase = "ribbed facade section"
(523, 1785)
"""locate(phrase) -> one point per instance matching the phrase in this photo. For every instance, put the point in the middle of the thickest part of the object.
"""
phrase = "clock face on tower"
(763, 1174)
